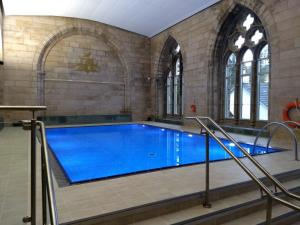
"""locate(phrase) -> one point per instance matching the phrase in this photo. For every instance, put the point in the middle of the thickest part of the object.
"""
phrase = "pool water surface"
(96, 152)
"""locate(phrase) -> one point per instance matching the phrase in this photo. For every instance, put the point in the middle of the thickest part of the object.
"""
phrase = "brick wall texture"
(42, 54)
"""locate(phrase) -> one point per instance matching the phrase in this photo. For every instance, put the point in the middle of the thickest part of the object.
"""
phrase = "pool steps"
(187, 209)
(250, 213)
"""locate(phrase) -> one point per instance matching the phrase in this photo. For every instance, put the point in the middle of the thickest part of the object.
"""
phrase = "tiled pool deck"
(14, 168)
(99, 197)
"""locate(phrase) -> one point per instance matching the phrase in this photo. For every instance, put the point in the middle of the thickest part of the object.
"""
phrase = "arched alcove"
(81, 71)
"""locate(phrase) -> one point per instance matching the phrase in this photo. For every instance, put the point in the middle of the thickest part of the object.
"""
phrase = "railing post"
(44, 191)
(206, 203)
(33, 172)
(269, 211)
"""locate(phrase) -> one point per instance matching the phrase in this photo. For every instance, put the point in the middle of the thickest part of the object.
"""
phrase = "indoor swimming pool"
(96, 152)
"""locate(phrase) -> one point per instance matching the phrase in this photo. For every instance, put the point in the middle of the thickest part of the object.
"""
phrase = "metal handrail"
(291, 122)
(254, 161)
(48, 179)
(31, 108)
(46, 175)
(271, 196)
(282, 125)
(23, 107)
(284, 122)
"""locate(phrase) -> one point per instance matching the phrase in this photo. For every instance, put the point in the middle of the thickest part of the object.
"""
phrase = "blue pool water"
(95, 152)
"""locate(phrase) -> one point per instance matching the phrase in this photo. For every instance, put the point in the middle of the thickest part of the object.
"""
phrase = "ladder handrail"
(269, 193)
(253, 160)
(241, 164)
(269, 140)
(48, 175)
(291, 122)
(272, 134)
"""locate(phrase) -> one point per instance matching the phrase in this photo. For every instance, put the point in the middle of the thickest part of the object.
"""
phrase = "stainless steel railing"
(286, 122)
(48, 194)
(47, 182)
(279, 124)
(292, 122)
(270, 195)
(32, 109)
(253, 160)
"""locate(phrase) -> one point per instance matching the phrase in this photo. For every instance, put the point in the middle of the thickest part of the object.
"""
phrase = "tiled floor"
(199, 210)
(95, 198)
(14, 191)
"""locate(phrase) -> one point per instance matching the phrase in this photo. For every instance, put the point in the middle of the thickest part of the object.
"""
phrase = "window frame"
(253, 121)
(172, 69)
(225, 86)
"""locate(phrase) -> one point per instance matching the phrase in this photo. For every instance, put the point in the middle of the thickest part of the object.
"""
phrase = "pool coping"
(92, 199)
(68, 182)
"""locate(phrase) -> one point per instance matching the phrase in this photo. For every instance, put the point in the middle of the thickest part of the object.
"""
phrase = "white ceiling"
(146, 17)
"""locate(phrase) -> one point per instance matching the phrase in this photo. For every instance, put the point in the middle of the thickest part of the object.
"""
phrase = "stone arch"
(268, 22)
(168, 39)
(163, 67)
(41, 57)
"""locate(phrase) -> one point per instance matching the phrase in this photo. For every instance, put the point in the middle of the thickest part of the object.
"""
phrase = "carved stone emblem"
(87, 63)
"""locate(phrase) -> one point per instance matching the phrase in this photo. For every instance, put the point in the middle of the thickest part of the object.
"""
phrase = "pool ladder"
(277, 125)
(270, 195)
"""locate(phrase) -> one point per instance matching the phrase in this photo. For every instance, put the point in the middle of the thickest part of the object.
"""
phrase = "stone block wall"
(197, 36)
(74, 66)
(42, 57)
(83, 75)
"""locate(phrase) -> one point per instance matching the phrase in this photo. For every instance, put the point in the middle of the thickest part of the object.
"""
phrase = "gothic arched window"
(245, 71)
(173, 84)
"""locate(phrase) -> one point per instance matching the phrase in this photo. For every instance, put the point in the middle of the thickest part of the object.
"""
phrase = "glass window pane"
(246, 68)
(239, 42)
(257, 36)
(176, 93)
(245, 98)
(248, 21)
(177, 85)
(230, 75)
(245, 89)
(177, 67)
(169, 94)
(263, 85)
(248, 56)
(229, 98)
(231, 60)
(264, 53)
(263, 66)
(263, 97)
(177, 49)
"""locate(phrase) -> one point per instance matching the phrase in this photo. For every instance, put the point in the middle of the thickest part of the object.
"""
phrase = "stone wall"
(197, 36)
(74, 66)
(83, 75)
(43, 55)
